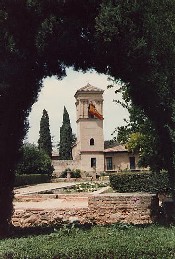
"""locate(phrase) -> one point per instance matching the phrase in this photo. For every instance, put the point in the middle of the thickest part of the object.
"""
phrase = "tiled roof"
(89, 88)
(118, 148)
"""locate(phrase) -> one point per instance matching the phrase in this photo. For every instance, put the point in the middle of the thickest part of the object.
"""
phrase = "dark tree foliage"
(137, 39)
(130, 40)
(66, 138)
(138, 134)
(34, 161)
(110, 143)
(44, 141)
(37, 39)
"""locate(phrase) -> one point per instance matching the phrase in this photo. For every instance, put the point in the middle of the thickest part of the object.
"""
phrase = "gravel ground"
(80, 201)
(52, 204)
(48, 203)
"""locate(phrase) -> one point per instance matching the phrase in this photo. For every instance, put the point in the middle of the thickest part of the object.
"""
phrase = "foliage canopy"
(44, 141)
(139, 135)
(133, 41)
(34, 161)
(66, 138)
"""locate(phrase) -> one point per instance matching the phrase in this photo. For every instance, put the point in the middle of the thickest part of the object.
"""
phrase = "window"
(91, 142)
(93, 162)
(132, 163)
(109, 163)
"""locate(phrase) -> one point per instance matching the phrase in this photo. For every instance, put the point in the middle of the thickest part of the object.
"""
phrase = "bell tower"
(90, 139)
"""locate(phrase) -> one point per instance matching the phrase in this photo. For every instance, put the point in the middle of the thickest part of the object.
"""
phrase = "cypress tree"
(66, 138)
(44, 141)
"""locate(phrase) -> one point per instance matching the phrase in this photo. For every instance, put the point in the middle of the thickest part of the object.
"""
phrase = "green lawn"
(117, 241)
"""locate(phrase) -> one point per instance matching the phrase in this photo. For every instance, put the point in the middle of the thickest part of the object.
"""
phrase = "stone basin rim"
(127, 194)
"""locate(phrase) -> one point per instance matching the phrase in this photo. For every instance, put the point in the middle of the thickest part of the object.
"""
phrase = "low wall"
(58, 180)
(61, 165)
(102, 209)
(41, 217)
(133, 208)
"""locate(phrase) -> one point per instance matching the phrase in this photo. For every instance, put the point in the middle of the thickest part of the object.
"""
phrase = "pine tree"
(44, 141)
(66, 138)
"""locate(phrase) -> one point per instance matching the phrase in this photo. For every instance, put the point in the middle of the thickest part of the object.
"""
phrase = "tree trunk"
(12, 131)
(6, 197)
(168, 153)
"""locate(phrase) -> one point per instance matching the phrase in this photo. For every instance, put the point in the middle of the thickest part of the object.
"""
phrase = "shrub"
(73, 173)
(140, 182)
(76, 173)
(34, 161)
(28, 179)
(64, 173)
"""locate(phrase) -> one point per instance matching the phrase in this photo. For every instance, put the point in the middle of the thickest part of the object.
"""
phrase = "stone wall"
(102, 209)
(61, 165)
(134, 208)
(41, 217)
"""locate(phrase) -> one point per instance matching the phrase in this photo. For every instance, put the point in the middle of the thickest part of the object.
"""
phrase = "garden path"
(49, 203)
(33, 189)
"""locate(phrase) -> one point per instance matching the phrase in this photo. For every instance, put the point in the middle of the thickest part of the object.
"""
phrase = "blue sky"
(56, 94)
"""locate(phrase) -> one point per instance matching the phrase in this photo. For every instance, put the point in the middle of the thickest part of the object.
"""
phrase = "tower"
(90, 141)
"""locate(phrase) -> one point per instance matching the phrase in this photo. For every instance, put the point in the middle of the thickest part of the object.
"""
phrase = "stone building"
(118, 159)
(88, 153)
(90, 141)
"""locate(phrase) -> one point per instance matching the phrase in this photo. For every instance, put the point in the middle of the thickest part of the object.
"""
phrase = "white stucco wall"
(120, 160)
(91, 128)
(86, 162)
(61, 165)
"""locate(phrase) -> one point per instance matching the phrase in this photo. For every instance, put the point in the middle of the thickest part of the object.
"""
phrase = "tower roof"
(89, 88)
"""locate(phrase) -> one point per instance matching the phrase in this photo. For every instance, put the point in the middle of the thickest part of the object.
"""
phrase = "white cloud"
(56, 94)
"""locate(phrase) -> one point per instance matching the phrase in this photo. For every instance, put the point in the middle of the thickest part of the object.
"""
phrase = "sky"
(55, 94)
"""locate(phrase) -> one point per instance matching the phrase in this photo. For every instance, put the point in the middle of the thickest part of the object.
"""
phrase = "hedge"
(73, 173)
(140, 182)
(29, 179)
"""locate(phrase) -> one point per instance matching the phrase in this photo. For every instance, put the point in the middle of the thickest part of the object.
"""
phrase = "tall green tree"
(66, 138)
(138, 134)
(44, 141)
